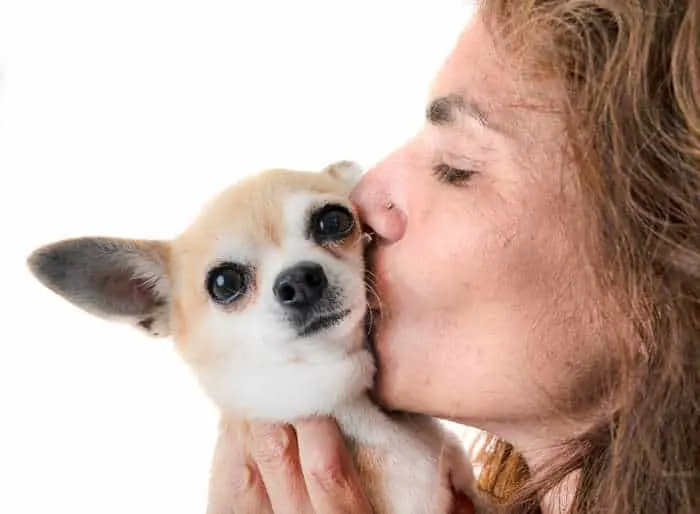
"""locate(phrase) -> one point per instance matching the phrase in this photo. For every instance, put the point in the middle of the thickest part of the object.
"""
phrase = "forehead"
(256, 210)
(474, 70)
(500, 87)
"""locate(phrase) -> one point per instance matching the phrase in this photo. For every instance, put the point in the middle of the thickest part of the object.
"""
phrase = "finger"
(277, 459)
(331, 479)
(235, 484)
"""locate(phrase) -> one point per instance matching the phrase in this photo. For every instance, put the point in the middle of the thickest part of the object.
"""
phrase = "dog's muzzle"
(309, 303)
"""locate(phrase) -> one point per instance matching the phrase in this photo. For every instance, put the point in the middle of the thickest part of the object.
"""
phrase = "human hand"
(303, 469)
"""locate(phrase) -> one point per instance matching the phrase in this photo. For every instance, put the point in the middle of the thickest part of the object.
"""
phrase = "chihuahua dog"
(264, 296)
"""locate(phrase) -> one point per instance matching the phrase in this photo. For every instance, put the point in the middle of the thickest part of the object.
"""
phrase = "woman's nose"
(381, 211)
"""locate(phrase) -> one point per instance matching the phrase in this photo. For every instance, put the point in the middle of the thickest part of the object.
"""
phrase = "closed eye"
(451, 175)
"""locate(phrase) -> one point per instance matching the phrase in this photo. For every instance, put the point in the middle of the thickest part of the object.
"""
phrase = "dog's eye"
(226, 283)
(332, 223)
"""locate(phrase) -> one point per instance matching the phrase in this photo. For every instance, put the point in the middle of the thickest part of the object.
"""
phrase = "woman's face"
(487, 311)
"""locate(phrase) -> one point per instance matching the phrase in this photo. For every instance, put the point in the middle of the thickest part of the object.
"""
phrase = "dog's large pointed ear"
(116, 279)
(346, 171)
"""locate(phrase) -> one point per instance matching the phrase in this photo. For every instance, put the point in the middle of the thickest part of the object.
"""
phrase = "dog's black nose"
(300, 286)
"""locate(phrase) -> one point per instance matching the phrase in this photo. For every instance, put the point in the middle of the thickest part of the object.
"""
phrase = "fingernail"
(318, 428)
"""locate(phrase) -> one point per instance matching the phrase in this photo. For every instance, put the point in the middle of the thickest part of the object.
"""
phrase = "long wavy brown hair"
(632, 72)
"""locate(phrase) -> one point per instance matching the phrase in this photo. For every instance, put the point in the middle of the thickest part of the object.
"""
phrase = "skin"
(487, 317)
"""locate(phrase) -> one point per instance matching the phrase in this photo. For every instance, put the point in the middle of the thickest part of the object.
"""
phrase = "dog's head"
(263, 293)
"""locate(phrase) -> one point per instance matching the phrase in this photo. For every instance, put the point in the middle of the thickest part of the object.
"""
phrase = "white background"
(121, 118)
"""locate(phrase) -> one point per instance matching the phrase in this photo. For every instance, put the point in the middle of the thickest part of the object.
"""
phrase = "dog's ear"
(122, 280)
(346, 171)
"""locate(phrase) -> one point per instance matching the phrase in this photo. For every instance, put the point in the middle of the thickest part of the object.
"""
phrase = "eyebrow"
(444, 111)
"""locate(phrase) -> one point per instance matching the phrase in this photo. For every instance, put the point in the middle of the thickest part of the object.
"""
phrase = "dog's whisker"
(373, 291)
(365, 240)
(370, 274)
(377, 307)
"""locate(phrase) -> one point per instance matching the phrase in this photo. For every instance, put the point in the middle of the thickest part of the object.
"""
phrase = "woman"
(538, 253)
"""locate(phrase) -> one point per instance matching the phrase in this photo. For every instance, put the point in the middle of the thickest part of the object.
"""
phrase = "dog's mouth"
(323, 322)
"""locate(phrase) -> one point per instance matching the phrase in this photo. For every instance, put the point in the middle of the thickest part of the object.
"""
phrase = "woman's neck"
(541, 447)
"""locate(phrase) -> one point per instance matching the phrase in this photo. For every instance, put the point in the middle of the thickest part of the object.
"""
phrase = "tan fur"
(394, 455)
(255, 206)
(250, 210)
(368, 465)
